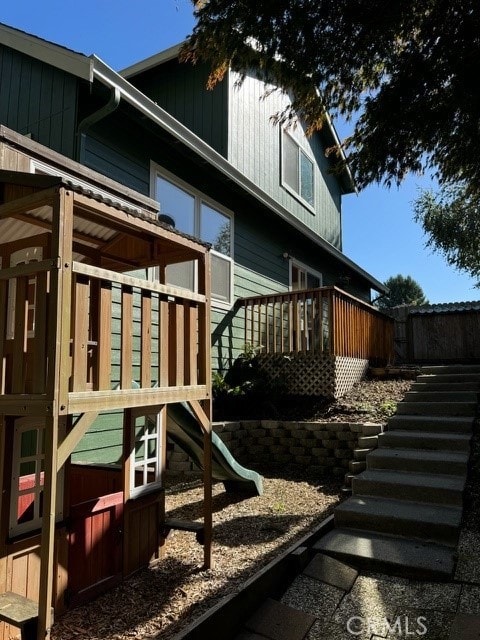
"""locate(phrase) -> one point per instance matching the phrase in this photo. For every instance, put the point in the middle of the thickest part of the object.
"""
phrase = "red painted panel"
(95, 547)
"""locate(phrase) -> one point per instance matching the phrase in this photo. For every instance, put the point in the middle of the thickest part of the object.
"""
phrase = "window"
(146, 455)
(301, 277)
(26, 501)
(23, 256)
(198, 216)
(297, 169)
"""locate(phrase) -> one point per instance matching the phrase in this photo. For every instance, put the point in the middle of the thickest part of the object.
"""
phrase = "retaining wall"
(322, 447)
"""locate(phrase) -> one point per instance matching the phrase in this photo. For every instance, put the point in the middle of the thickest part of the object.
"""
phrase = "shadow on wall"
(226, 345)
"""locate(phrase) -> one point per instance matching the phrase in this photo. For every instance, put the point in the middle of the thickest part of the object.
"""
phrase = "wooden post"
(57, 389)
(205, 365)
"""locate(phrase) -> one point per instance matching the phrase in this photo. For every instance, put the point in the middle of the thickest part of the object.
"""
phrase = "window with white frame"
(302, 277)
(28, 469)
(297, 169)
(197, 215)
(146, 454)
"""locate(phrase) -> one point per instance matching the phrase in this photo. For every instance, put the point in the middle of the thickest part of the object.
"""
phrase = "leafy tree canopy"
(401, 290)
(451, 220)
(408, 69)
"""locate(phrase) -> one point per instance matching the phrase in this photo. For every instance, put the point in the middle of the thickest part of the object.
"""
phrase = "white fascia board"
(75, 63)
(107, 76)
(152, 61)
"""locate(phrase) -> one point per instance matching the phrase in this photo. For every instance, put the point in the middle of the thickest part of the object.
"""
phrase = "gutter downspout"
(92, 119)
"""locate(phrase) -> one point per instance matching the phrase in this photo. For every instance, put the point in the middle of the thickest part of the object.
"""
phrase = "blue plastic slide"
(184, 430)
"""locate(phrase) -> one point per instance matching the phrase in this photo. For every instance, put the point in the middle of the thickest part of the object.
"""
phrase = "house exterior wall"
(38, 100)
(255, 149)
(181, 90)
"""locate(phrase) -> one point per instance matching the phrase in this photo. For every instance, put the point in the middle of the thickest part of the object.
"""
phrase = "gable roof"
(172, 53)
(92, 68)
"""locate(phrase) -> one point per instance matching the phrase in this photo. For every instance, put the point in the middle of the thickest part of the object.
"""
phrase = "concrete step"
(368, 442)
(410, 439)
(437, 408)
(436, 523)
(441, 462)
(441, 396)
(437, 424)
(390, 555)
(449, 377)
(401, 485)
(357, 466)
(360, 454)
(450, 369)
(445, 386)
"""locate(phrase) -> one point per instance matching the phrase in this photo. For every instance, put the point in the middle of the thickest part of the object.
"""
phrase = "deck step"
(449, 377)
(436, 523)
(437, 424)
(402, 485)
(445, 386)
(425, 440)
(451, 369)
(441, 396)
(441, 462)
(437, 408)
(388, 554)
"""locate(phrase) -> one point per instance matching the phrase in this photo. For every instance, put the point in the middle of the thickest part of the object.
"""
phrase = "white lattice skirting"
(314, 374)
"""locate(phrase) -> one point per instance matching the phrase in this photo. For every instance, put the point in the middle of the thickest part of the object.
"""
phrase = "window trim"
(200, 197)
(283, 182)
(301, 265)
(32, 526)
(137, 492)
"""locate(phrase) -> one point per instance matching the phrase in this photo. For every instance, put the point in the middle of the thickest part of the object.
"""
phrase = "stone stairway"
(405, 512)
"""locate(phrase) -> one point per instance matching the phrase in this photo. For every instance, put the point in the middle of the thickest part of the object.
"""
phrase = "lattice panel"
(301, 373)
(313, 374)
(348, 371)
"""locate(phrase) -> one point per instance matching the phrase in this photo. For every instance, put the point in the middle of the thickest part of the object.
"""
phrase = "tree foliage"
(407, 68)
(451, 220)
(401, 290)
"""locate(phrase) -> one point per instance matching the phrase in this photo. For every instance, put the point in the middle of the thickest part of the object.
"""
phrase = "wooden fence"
(436, 336)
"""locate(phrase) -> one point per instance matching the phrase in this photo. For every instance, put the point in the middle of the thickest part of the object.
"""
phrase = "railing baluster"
(20, 336)
(104, 355)
(146, 340)
(3, 330)
(126, 339)
(40, 335)
(81, 319)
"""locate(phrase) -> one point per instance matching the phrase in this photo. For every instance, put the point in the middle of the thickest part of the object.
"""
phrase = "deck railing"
(324, 320)
(130, 339)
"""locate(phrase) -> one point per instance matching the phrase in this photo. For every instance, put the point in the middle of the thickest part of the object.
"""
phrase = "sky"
(379, 233)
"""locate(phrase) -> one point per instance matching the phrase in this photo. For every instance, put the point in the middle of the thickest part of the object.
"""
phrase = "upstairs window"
(197, 216)
(297, 170)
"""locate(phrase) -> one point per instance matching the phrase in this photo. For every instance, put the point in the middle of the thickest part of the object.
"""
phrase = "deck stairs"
(405, 511)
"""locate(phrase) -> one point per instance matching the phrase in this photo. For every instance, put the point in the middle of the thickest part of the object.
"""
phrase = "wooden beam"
(200, 415)
(58, 350)
(139, 283)
(29, 269)
(74, 436)
(27, 203)
(124, 398)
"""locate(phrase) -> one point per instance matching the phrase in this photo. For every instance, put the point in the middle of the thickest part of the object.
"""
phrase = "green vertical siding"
(181, 90)
(255, 149)
(39, 100)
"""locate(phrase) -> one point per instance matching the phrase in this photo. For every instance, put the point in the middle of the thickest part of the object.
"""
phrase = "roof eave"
(65, 59)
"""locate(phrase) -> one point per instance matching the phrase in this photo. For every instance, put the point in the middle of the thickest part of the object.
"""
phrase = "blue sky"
(378, 231)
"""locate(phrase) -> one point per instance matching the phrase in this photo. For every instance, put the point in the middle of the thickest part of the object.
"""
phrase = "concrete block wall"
(322, 447)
